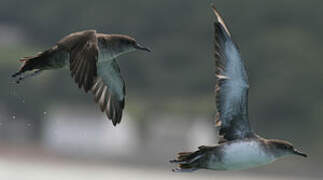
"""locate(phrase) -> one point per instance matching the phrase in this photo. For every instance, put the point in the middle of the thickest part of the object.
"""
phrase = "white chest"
(242, 155)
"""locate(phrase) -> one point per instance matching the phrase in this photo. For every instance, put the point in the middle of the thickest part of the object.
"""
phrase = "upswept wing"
(231, 87)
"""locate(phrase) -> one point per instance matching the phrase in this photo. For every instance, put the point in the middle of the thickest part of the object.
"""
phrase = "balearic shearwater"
(91, 58)
(239, 147)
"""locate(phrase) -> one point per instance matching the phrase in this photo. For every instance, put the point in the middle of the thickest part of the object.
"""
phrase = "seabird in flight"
(91, 58)
(239, 147)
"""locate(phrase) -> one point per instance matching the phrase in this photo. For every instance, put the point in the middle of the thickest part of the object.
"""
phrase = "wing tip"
(114, 111)
(116, 120)
(215, 11)
(213, 6)
(220, 19)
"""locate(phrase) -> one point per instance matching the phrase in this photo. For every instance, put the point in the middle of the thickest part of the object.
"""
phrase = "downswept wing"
(231, 87)
(109, 90)
(83, 47)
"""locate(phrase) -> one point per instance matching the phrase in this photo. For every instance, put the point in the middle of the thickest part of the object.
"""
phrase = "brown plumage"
(83, 59)
(91, 58)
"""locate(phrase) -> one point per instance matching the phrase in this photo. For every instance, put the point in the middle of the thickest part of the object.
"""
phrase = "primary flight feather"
(91, 58)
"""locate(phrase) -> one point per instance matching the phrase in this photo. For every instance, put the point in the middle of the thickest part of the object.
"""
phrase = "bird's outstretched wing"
(231, 87)
(102, 76)
(83, 48)
(109, 90)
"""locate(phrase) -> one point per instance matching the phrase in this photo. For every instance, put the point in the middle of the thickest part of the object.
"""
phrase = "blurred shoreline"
(36, 165)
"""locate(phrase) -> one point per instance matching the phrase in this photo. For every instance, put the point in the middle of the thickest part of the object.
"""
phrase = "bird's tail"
(28, 64)
(187, 161)
(35, 63)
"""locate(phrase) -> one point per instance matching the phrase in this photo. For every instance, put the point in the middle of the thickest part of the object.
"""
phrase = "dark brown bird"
(239, 147)
(91, 58)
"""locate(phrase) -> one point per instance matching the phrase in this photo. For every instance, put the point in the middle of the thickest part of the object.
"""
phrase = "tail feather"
(41, 61)
(28, 64)
(187, 161)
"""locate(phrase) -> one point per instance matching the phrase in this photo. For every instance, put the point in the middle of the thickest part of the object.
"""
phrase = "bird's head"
(284, 148)
(126, 44)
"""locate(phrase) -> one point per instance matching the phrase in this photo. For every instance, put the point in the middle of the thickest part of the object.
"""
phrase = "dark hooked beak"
(299, 153)
(140, 47)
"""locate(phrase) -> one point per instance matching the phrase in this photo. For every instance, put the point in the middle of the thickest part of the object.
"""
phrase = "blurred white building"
(75, 130)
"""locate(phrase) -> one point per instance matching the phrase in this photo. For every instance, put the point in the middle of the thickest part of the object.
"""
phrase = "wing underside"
(231, 87)
(109, 90)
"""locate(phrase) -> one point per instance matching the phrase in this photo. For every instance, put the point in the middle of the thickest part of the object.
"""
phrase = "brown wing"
(83, 47)
(231, 86)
